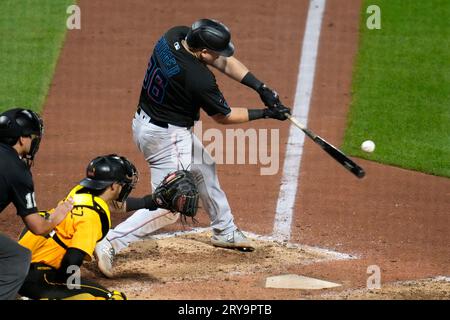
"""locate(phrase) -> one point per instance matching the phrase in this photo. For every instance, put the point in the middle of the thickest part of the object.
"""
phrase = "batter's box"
(189, 256)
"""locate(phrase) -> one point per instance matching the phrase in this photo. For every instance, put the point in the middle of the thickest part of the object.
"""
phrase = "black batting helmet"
(103, 171)
(212, 35)
(20, 122)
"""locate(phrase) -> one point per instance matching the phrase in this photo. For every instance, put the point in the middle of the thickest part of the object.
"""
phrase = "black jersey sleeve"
(22, 195)
(210, 98)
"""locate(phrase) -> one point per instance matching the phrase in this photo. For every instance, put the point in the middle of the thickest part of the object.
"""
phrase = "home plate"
(294, 281)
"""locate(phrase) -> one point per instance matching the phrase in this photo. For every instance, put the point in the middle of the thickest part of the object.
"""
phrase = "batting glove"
(278, 112)
(268, 96)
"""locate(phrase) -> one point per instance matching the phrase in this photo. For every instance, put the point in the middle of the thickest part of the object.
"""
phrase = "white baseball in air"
(368, 146)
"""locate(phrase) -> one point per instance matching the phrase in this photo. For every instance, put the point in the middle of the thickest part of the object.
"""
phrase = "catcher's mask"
(103, 171)
(20, 122)
(212, 35)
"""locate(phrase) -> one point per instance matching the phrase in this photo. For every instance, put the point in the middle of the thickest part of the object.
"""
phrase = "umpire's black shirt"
(177, 84)
(16, 182)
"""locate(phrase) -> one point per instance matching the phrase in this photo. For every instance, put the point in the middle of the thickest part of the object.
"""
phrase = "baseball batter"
(176, 85)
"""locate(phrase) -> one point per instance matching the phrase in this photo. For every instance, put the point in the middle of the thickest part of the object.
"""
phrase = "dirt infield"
(187, 261)
(394, 218)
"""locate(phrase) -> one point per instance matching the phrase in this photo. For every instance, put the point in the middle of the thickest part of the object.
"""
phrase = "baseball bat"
(334, 152)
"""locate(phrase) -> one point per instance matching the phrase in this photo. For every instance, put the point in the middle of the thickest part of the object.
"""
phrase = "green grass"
(401, 87)
(31, 36)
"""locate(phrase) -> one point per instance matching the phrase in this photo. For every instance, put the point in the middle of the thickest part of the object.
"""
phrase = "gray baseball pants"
(167, 150)
(14, 265)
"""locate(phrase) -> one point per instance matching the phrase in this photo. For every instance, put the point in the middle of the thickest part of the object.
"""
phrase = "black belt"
(158, 123)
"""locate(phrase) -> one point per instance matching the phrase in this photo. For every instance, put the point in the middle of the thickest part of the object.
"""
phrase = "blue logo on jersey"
(156, 77)
(169, 64)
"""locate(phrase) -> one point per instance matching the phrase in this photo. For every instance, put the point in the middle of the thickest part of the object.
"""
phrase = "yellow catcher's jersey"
(87, 223)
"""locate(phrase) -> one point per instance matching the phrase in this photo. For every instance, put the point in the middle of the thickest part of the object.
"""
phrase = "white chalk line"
(334, 255)
(300, 110)
(442, 278)
(394, 284)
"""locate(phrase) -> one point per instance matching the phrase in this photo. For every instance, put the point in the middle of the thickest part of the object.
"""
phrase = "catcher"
(54, 271)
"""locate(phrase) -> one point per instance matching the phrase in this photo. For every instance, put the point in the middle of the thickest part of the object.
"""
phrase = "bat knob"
(360, 173)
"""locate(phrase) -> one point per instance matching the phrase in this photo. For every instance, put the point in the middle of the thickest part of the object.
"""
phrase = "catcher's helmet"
(103, 171)
(20, 122)
(212, 35)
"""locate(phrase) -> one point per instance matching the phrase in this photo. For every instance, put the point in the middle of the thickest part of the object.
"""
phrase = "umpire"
(20, 135)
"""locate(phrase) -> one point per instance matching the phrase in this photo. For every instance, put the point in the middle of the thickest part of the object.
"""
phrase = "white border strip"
(294, 149)
(334, 254)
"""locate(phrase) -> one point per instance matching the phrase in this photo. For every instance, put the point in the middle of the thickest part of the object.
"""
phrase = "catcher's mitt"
(178, 193)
